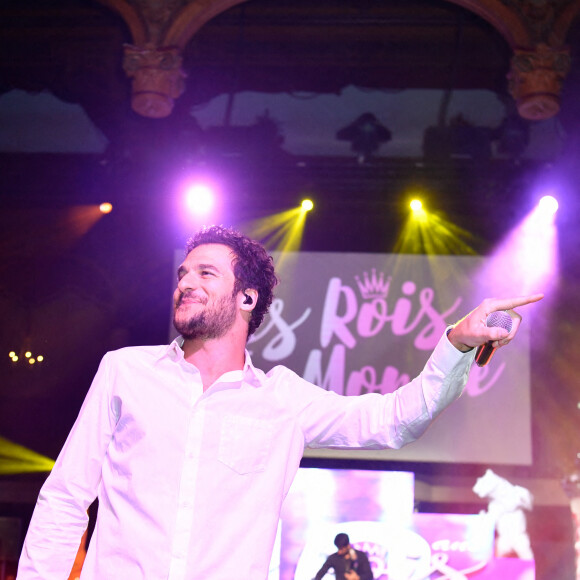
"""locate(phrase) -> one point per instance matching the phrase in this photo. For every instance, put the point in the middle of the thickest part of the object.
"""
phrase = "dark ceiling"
(74, 49)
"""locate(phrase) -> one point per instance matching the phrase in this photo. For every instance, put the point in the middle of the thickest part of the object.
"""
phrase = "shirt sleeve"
(60, 516)
(325, 568)
(375, 421)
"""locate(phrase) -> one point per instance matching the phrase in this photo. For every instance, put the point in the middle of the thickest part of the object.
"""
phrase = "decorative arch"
(536, 31)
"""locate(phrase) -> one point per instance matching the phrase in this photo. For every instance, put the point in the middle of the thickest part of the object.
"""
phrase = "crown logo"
(373, 285)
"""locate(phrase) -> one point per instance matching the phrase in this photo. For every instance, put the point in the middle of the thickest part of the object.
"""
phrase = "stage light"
(106, 207)
(418, 213)
(199, 198)
(366, 134)
(526, 260)
(548, 205)
(282, 232)
(32, 359)
(431, 233)
(19, 459)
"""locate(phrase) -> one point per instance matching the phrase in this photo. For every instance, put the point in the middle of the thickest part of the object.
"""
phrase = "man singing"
(347, 563)
(191, 450)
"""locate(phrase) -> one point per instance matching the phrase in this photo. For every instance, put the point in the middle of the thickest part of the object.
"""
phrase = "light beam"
(15, 458)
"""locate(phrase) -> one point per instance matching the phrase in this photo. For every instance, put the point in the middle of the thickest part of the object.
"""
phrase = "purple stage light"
(548, 205)
(526, 260)
(200, 198)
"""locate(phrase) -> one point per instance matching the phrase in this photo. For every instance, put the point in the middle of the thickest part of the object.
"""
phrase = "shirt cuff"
(447, 351)
(449, 329)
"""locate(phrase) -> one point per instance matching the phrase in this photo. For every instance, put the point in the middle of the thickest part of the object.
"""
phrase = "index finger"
(508, 303)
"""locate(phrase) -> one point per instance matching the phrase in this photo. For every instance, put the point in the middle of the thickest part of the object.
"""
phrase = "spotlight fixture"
(548, 205)
(106, 207)
(460, 139)
(366, 135)
(416, 205)
(512, 136)
(200, 198)
(307, 205)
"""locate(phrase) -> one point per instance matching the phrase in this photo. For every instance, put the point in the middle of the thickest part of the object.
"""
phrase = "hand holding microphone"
(487, 327)
(500, 319)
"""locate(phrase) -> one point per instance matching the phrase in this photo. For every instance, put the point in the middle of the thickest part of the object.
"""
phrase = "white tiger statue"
(506, 506)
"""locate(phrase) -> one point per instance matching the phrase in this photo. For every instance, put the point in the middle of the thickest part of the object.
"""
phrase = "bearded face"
(201, 318)
(205, 300)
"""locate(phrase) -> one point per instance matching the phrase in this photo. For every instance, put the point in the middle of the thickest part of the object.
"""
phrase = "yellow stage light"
(282, 232)
(416, 205)
(28, 356)
(15, 458)
(106, 207)
(432, 234)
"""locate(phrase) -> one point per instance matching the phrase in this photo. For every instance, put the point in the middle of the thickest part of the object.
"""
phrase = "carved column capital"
(535, 80)
(160, 30)
(157, 79)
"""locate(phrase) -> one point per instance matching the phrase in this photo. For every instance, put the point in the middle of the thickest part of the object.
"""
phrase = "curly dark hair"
(253, 267)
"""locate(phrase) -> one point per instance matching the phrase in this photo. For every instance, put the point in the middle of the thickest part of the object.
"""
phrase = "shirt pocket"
(245, 443)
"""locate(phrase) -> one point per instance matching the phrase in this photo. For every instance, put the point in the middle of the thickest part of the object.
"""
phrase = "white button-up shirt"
(190, 484)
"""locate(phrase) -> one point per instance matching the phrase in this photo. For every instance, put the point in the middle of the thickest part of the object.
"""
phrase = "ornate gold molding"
(535, 80)
(536, 30)
(160, 31)
(158, 79)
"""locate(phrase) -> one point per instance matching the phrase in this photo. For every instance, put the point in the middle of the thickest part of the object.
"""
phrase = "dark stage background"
(74, 283)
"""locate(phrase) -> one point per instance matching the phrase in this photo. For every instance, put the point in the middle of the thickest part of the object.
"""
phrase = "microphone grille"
(500, 319)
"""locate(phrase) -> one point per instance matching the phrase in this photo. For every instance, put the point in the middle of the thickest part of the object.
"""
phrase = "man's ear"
(250, 299)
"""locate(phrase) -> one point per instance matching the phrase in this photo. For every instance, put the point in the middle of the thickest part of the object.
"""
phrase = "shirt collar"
(173, 350)
(250, 374)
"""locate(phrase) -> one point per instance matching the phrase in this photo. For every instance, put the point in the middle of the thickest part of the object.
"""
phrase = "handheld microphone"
(485, 351)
